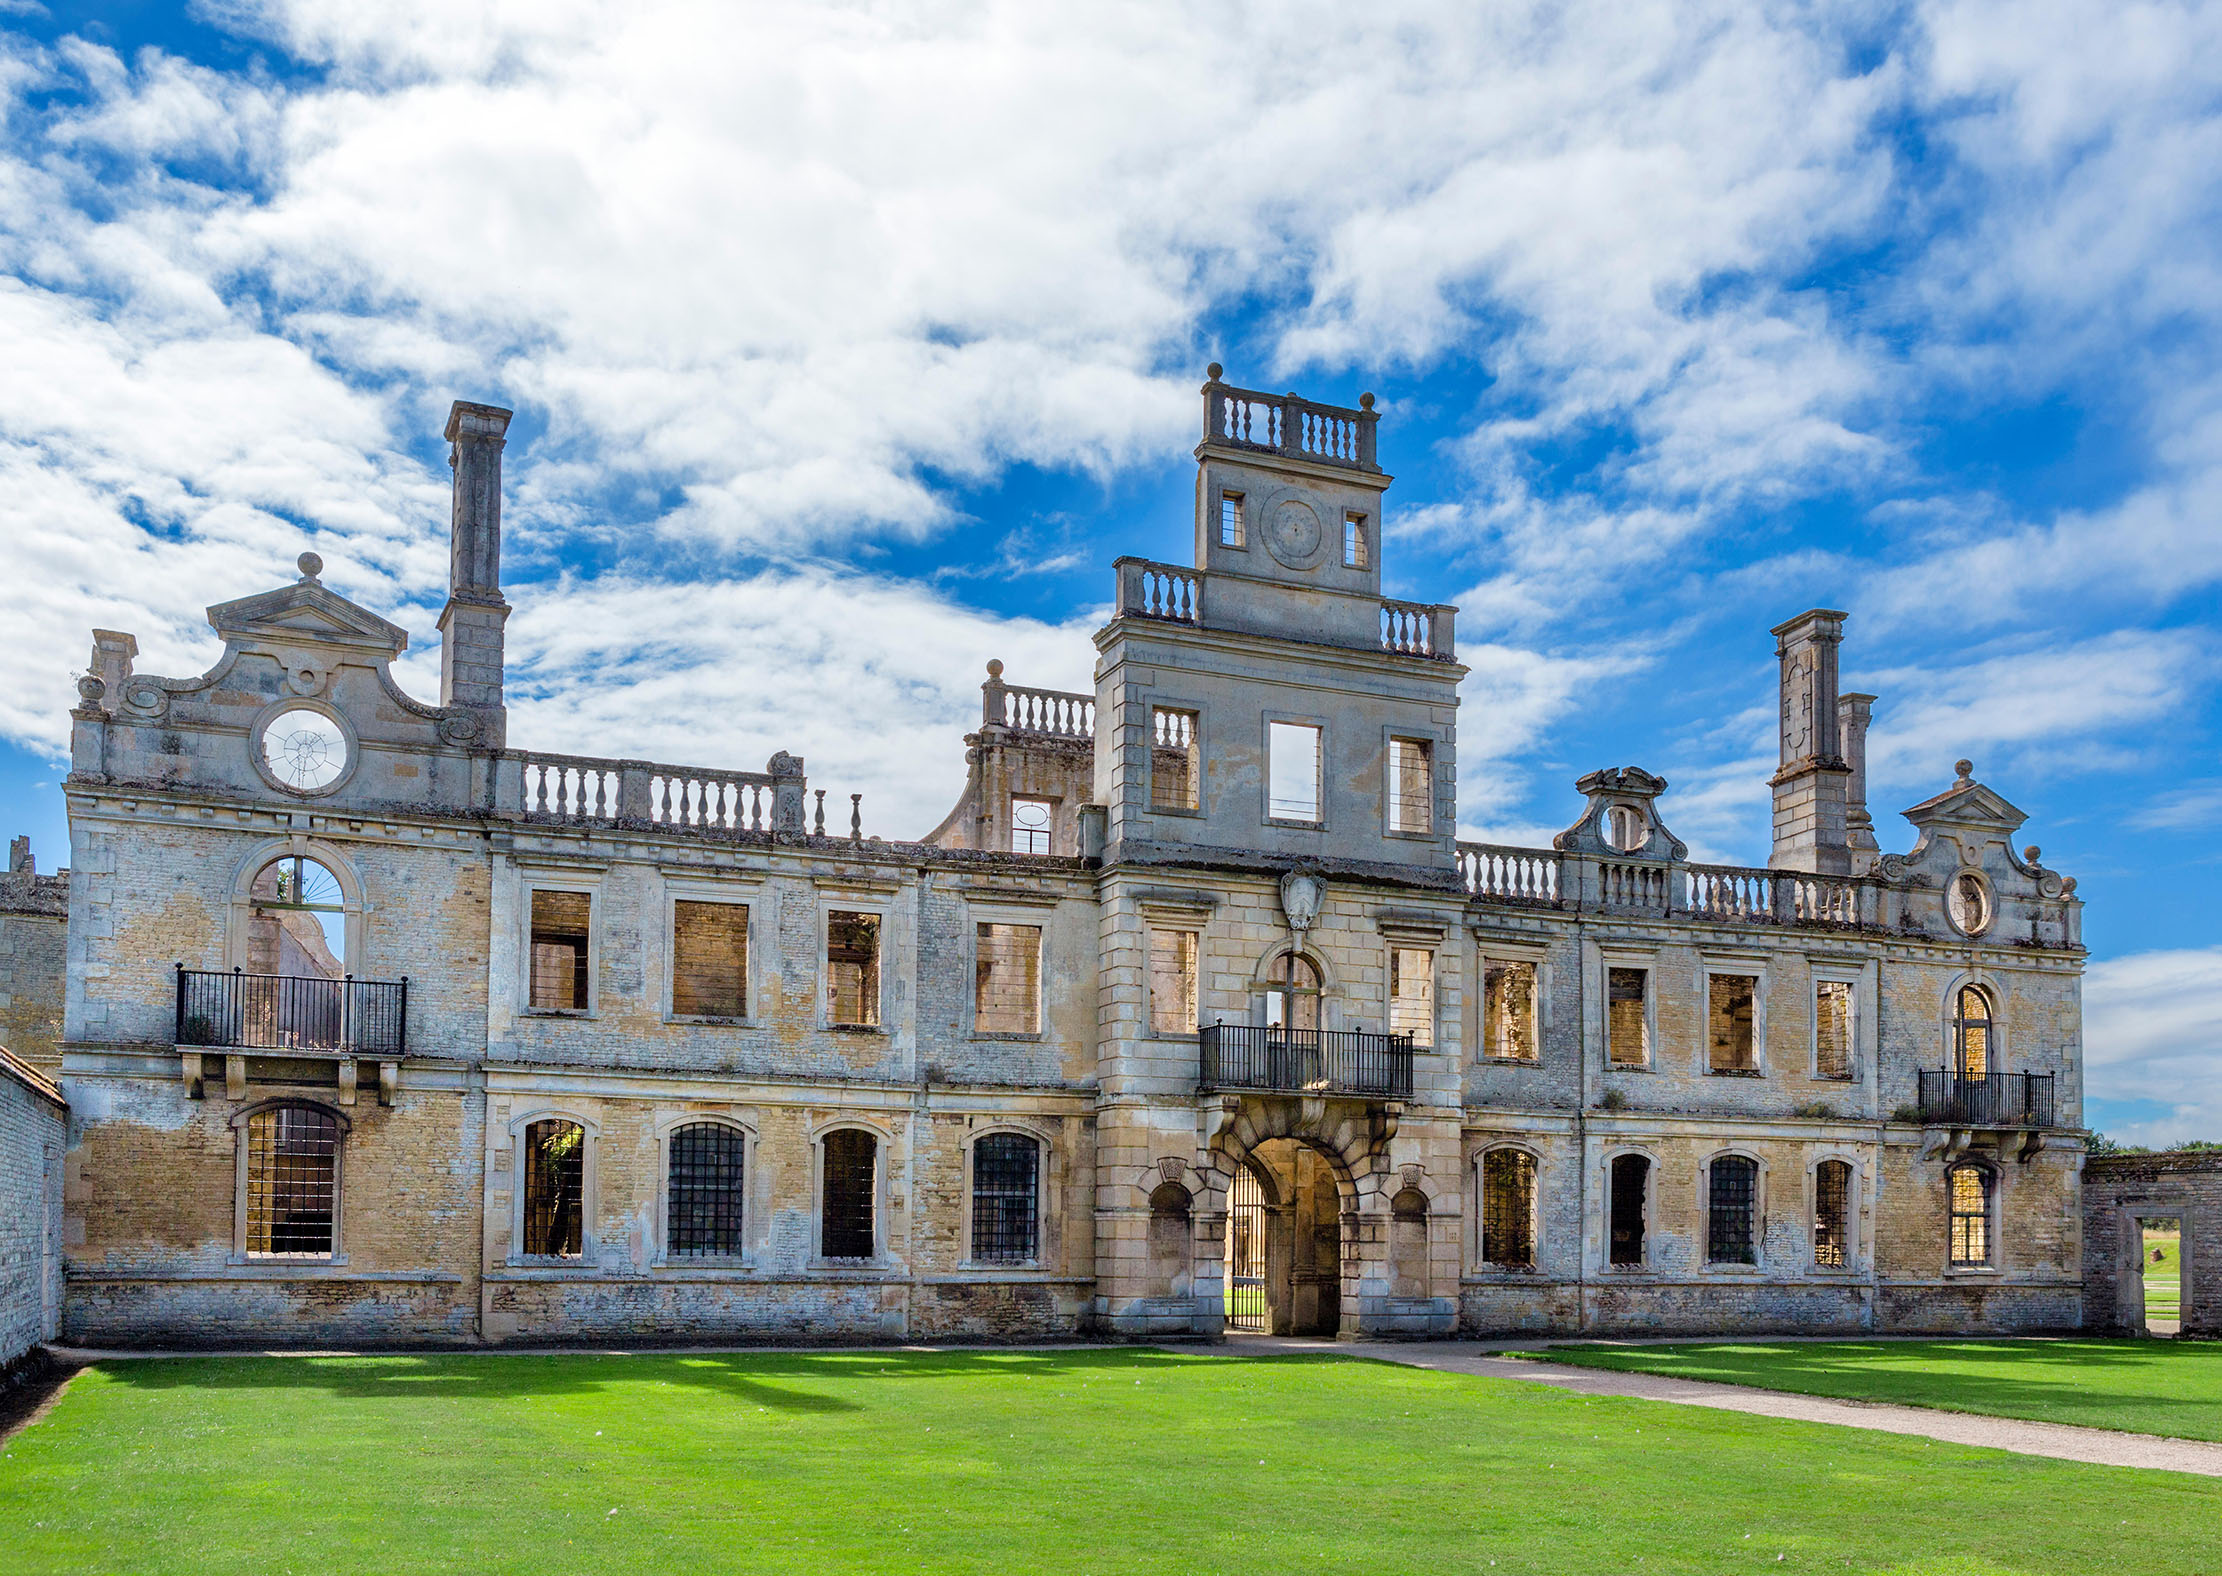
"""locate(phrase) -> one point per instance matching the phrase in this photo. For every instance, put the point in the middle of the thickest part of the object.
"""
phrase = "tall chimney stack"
(471, 623)
(1810, 786)
(1852, 714)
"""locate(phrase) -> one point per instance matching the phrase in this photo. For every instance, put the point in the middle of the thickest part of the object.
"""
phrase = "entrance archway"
(1284, 1246)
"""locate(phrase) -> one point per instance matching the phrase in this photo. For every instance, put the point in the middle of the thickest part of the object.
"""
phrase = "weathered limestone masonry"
(1194, 1011)
(33, 1124)
(34, 944)
(2120, 1192)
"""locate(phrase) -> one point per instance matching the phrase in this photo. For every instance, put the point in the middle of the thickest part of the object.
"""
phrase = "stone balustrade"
(586, 790)
(1166, 591)
(1417, 629)
(1495, 873)
(1289, 425)
(1055, 714)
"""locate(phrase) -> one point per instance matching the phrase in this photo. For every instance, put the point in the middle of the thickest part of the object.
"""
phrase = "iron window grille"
(1245, 1295)
(1731, 1198)
(292, 1182)
(1508, 1208)
(851, 1178)
(706, 1193)
(1006, 1209)
(1970, 1192)
(555, 1186)
(1832, 1203)
(1033, 825)
(1230, 520)
(1631, 1178)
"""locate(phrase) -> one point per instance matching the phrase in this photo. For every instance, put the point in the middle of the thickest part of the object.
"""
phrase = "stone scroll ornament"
(1301, 895)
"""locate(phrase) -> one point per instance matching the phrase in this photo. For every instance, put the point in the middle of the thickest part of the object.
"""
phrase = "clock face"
(1293, 534)
(304, 750)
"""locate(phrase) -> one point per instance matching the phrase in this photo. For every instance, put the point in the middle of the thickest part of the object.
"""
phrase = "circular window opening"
(1624, 828)
(304, 750)
(1969, 903)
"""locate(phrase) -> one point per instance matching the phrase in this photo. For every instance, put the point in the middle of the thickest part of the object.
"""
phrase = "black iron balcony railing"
(1987, 1099)
(292, 1012)
(1305, 1061)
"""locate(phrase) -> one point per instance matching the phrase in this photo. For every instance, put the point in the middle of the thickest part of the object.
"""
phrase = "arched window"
(298, 923)
(1971, 1031)
(1631, 1181)
(292, 1191)
(1968, 1189)
(1732, 1200)
(1508, 1208)
(1006, 1199)
(555, 1189)
(1172, 1240)
(1292, 993)
(850, 1181)
(1832, 1214)
(705, 1191)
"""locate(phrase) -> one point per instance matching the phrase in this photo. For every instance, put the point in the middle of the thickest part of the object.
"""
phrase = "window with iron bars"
(1832, 1205)
(704, 1198)
(851, 1179)
(1630, 1179)
(1006, 1208)
(1732, 1195)
(1508, 1208)
(1033, 826)
(1970, 1192)
(292, 1182)
(1231, 533)
(555, 1186)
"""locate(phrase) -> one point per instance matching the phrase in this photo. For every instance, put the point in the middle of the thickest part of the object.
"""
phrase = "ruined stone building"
(384, 1025)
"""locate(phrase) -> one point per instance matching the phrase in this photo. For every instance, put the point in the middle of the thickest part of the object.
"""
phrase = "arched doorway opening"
(1284, 1244)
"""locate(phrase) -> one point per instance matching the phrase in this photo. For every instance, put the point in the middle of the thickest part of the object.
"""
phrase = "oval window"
(304, 750)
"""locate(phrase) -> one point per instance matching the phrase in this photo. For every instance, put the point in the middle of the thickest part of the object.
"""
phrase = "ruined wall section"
(2120, 1191)
(33, 1129)
(34, 951)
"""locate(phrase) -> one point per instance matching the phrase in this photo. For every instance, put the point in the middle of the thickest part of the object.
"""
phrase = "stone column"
(1810, 785)
(471, 653)
(1852, 715)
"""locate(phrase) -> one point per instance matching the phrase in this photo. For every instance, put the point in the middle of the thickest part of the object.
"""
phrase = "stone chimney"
(471, 623)
(111, 662)
(1852, 715)
(1811, 784)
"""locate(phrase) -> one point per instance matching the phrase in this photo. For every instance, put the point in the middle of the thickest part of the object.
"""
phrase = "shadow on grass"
(769, 1379)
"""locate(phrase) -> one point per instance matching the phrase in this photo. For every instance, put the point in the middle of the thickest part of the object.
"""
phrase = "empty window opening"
(1971, 1032)
(1969, 1189)
(1354, 555)
(703, 1202)
(1832, 1029)
(1508, 1208)
(852, 970)
(1508, 1011)
(1630, 1179)
(1173, 981)
(555, 1186)
(1411, 785)
(1292, 993)
(851, 1181)
(1627, 1029)
(1006, 1195)
(299, 922)
(1624, 828)
(1412, 994)
(560, 924)
(292, 1182)
(1176, 766)
(709, 960)
(1032, 824)
(1007, 979)
(1832, 1214)
(1731, 1197)
(1729, 1002)
(1231, 531)
(1292, 771)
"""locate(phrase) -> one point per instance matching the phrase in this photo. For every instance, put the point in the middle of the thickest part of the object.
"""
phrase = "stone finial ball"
(995, 667)
(91, 688)
(1212, 372)
(1964, 768)
(2032, 854)
(1365, 402)
(311, 566)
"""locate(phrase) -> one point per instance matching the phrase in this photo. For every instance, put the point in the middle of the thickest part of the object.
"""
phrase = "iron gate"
(1245, 1266)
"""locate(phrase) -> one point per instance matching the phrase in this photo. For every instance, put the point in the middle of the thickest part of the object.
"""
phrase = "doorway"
(2160, 1270)
(1245, 1266)
(1284, 1245)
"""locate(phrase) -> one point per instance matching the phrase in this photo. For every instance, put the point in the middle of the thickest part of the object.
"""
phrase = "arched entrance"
(1284, 1243)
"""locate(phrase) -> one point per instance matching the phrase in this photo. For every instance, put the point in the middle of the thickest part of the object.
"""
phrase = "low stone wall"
(2119, 1191)
(33, 1129)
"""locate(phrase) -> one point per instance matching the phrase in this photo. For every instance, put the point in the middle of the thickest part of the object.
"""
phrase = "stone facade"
(33, 1129)
(574, 1048)
(34, 943)
(2119, 1192)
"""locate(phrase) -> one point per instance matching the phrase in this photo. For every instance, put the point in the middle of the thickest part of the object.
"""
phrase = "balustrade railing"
(571, 787)
(1304, 1061)
(1415, 629)
(1053, 713)
(709, 800)
(1164, 591)
(291, 1012)
(582, 790)
(1504, 874)
(1630, 886)
(1987, 1099)
(1290, 425)
(1730, 894)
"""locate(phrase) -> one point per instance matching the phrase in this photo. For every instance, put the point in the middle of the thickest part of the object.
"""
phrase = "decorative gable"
(1966, 803)
(307, 611)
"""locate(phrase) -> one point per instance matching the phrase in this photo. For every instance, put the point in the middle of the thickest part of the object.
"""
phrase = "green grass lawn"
(2149, 1387)
(2163, 1275)
(1014, 1463)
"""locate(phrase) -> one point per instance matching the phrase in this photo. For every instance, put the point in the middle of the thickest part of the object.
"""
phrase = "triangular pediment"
(1966, 803)
(306, 611)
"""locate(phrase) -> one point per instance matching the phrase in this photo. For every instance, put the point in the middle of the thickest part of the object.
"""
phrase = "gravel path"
(2102, 1446)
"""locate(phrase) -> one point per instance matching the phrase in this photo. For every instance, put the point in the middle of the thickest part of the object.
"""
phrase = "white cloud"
(2152, 1030)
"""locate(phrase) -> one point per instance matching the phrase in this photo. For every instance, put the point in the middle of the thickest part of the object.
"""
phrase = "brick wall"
(2119, 1191)
(33, 1123)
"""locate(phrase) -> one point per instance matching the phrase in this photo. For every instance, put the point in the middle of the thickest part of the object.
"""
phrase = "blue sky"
(850, 343)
